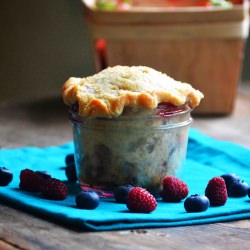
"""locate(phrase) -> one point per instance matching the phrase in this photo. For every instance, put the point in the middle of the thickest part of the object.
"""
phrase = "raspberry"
(30, 180)
(174, 189)
(216, 191)
(44, 174)
(54, 189)
(141, 201)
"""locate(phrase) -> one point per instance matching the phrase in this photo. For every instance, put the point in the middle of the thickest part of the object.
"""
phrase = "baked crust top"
(108, 92)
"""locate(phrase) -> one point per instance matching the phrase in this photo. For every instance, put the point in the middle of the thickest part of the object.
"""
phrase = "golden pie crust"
(108, 92)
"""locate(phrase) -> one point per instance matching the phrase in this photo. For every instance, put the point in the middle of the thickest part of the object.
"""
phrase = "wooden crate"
(199, 45)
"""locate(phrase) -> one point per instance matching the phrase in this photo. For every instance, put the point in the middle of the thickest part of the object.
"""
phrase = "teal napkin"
(206, 158)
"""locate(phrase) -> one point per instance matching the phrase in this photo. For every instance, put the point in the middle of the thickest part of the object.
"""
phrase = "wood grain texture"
(28, 232)
(224, 30)
(43, 123)
(212, 66)
(24, 231)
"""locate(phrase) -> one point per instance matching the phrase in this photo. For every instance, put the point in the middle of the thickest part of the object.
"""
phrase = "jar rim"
(184, 109)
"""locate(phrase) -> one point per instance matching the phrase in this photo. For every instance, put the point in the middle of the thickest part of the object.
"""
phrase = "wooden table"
(44, 122)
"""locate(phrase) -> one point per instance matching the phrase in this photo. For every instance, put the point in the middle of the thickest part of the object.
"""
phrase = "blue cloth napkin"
(206, 158)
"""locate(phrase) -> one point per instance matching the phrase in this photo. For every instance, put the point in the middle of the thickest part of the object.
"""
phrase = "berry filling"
(163, 109)
(168, 109)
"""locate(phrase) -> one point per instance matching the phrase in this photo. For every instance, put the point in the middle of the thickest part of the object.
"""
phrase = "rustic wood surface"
(44, 122)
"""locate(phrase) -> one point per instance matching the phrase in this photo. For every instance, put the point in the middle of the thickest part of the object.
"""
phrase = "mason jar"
(138, 148)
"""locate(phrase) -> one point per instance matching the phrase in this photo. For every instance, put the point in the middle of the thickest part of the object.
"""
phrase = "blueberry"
(69, 159)
(87, 199)
(121, 193)
(6, 176)
(44, 174)
(238, 189)
(70, 172)
(229, 179)
(196, 203)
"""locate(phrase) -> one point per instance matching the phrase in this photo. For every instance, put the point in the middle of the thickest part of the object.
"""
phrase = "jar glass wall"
(137, 148)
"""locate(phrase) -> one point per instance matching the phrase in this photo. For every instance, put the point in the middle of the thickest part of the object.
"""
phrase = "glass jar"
(138, 148)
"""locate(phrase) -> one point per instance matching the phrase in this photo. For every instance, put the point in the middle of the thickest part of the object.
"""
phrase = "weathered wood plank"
(6, 246)
(29, 232)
